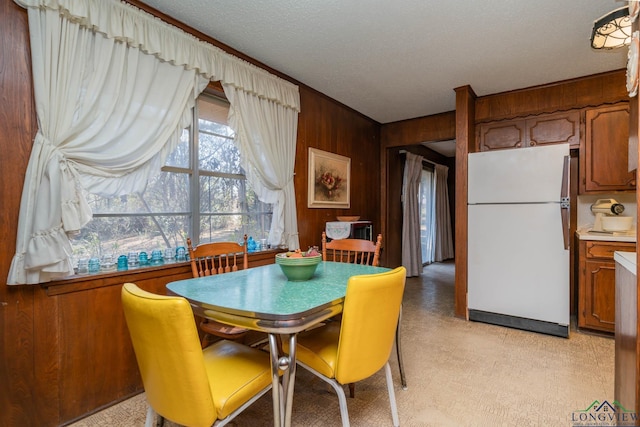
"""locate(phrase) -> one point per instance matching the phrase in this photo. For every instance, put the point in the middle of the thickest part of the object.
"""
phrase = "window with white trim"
(201, 193)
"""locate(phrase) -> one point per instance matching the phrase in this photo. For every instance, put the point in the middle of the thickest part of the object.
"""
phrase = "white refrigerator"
(518, 249)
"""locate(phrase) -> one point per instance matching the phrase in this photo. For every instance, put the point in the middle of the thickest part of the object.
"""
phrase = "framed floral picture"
(329, 180)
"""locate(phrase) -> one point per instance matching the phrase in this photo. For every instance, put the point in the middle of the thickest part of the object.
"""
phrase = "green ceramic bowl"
(298, 269)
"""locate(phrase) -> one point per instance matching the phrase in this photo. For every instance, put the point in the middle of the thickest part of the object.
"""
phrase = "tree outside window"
(201, 193)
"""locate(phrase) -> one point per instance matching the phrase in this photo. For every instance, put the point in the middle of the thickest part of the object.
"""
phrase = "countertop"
(627, 236)
(627, 260)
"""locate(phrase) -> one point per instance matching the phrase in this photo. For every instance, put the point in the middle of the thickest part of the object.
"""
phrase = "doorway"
(392, 216)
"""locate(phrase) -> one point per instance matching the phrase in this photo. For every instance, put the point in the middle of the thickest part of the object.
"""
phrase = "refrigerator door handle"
(564, 202)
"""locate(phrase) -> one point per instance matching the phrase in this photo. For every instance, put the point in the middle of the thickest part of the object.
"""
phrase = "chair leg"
(151, 417)
(392, 395)
(342, 398)
(205, 341)
(403, 379)
(223, 422)
(352, 390)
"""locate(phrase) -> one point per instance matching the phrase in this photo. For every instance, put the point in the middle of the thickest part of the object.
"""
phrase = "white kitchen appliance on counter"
(518, 238)
(603, 208)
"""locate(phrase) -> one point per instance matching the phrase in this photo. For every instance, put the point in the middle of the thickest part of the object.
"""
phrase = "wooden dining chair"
(361, 344)
(184, 383)
(361, 251)
(218, 258)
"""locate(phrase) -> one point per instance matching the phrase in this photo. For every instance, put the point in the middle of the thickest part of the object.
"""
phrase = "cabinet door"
(554, 129)
(597, 284)
(598, 311)
(501, 135)
(605, 150)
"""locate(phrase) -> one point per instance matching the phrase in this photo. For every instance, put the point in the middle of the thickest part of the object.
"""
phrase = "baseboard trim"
(532, 325)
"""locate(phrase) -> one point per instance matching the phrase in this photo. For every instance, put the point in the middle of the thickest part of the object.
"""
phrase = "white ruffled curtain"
(411, 245)
(443, 246)
(113, 89)
(266, 137)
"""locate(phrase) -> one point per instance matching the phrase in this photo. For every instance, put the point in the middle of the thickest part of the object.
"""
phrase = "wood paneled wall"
(583, 92)
(438, 127)
(327, 126)
(465, 131)
(18, 307)
(65, 351)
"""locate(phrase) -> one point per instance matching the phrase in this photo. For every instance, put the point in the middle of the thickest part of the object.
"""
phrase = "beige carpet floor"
(459, 374)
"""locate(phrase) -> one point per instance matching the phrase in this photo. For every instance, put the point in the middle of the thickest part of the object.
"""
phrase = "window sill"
(173, 271)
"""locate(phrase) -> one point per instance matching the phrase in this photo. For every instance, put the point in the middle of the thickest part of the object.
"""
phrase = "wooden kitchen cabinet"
(597, 284)
(604, 154)
(531, 131)
(501, 135)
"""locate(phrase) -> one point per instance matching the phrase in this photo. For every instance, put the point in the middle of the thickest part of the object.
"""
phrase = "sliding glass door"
(427, 215)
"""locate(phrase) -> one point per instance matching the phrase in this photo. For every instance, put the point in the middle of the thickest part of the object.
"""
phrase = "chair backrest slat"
(217, 257)
(359, 251)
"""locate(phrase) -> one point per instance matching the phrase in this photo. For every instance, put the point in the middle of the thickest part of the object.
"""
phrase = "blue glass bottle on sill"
(133, 259)
(94, 265)
(156, 257)
(83, 266)
(251, 245)
(143, 258)
(123, 263)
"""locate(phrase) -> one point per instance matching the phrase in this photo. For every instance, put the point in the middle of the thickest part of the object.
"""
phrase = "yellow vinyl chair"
(361, 344)
(184, 383)
(361, 251)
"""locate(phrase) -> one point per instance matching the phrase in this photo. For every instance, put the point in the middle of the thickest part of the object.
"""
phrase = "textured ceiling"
(395, 60)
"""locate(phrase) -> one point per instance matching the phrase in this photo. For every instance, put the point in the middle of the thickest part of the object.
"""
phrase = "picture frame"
(329, 180)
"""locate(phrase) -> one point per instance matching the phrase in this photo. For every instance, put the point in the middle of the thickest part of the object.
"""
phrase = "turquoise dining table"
(262, 299)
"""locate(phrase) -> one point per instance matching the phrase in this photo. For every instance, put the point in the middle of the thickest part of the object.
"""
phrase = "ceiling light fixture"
(613, 30)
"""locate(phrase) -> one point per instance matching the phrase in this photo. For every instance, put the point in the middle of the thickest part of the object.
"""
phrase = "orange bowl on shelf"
(348, 218)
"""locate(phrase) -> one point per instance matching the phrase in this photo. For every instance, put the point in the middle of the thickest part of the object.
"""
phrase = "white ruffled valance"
(124, 22)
